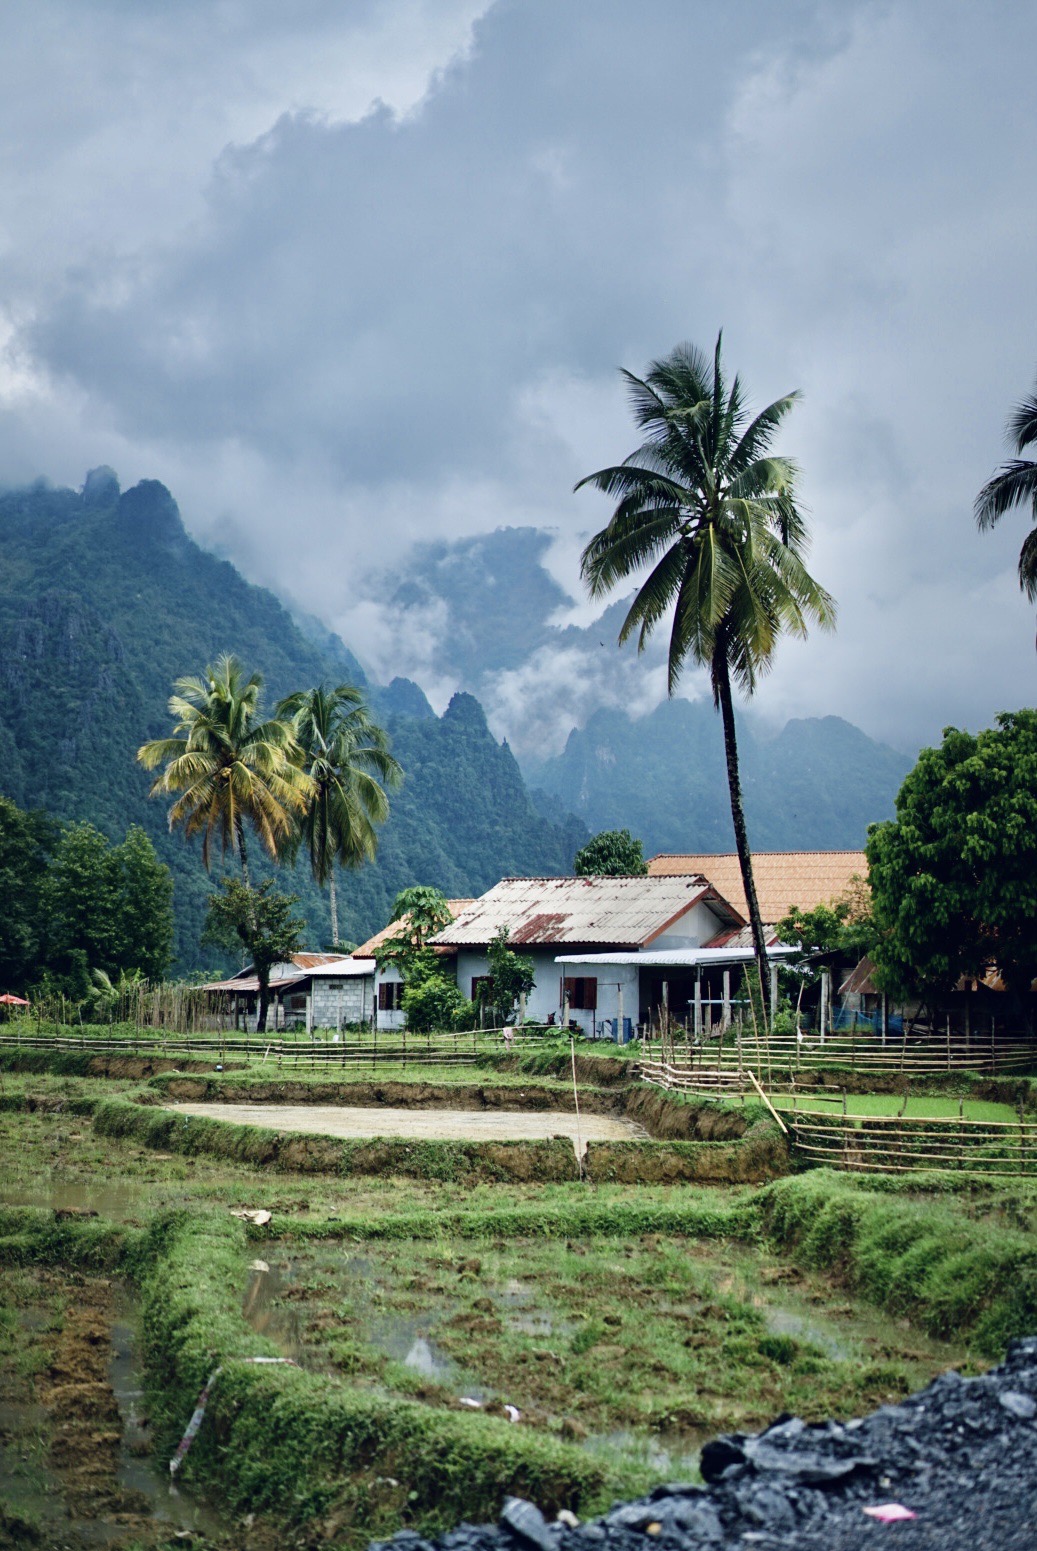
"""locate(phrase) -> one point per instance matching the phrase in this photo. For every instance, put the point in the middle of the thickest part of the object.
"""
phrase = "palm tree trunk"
(239, 830)
(264, 1000)
(334, 907)
(722, 683)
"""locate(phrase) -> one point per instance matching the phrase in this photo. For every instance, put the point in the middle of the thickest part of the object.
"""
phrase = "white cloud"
(337, 330)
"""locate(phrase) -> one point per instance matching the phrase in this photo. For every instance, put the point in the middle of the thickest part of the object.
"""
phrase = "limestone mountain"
(105, 600)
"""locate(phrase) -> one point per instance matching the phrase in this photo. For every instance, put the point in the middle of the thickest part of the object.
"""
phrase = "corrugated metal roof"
(782, 878)
(366, 949)
(624, 912)
(741, 937)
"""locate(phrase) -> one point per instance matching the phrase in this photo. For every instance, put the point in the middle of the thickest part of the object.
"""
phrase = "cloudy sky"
(352, 276)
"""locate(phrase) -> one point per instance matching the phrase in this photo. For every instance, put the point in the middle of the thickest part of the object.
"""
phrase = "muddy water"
(426, 1124)
(76, 1465)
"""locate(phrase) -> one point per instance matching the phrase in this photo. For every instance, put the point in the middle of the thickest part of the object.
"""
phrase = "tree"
(511, 973)
(109, 910)
(954, 875)
(1015, 484)
(25, 841)
(422, 912)
(260, 921)
(84, 909)
(714, 514)
(612, 854)
(146, 926)
(346, 756)
(231, 768)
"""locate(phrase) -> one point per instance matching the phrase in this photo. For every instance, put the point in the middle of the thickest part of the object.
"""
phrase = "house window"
(482, 988)
(390, 994)
(582, 991)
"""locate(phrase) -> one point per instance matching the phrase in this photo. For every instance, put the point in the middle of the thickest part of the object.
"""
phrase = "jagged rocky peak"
(101, 487)
(149, 513)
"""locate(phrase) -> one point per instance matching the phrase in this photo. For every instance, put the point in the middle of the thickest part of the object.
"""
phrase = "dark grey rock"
(525, 1521)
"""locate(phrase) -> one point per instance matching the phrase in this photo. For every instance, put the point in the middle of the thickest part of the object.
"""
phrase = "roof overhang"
(680, 958)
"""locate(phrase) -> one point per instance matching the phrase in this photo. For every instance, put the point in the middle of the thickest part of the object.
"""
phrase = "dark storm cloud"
(365, 325)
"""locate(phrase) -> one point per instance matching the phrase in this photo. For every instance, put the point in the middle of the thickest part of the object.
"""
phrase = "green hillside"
(816, 786)
(105, 600)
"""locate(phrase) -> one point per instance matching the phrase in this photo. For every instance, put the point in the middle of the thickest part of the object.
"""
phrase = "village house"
(386, 981)
(609, 954)
(311, 990)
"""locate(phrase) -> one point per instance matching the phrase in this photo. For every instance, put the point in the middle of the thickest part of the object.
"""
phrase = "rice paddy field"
(450, 1338)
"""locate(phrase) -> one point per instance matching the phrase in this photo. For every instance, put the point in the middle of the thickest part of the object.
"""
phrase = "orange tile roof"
(367, 949)
(783, 878)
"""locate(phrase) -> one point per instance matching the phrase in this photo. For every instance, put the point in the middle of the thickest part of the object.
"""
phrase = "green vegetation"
(954, 876)
(612, 854)
(512, 976)
(1015, 484)
(714, 513)
(301, 1446)
(72, 903)
(105, 601)
(258, 920)
(346, 756)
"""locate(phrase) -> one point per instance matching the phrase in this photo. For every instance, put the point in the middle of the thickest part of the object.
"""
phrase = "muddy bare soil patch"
(73, 1472)
(496, 1125)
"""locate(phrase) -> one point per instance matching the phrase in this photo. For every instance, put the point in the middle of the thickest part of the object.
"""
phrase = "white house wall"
(697, 927)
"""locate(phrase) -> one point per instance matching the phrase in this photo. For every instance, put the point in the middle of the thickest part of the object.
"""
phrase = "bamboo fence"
(894, 1144)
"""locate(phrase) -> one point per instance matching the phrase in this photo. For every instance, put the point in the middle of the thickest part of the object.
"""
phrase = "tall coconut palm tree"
(1015, 484)
(713, 513)
(346, 756)
(233, 771)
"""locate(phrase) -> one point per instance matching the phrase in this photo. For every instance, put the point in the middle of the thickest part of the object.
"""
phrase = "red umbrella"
(7, 1000)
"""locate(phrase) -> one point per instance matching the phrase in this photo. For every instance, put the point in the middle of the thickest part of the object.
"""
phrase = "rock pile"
(953, 1468)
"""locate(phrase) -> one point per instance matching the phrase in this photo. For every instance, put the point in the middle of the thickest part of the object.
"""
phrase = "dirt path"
(452, 1125)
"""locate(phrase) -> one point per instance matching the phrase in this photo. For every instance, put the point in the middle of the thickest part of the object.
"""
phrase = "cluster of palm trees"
(314, 774)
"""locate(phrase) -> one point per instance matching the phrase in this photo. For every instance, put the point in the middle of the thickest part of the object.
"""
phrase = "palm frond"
(1014, 484)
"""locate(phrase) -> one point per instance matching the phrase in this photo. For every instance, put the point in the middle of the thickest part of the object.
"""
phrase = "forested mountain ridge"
(105, 600)
(816, 786)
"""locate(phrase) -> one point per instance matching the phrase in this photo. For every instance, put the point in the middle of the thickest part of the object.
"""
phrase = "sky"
(357, 278)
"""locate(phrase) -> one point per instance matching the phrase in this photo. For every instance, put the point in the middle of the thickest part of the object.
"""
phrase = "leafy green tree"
(84, 909)
(954, 875)
(844, 925)
(614, 853)
(346, 756)
(232, 770)
(511, 973)
(421, 912)
(146, 927)
(25, 841)
(705, 504)
(261, 922)
(431, 998)
(1015, 484)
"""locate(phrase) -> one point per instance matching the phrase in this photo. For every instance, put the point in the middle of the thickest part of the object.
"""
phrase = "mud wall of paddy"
(747, 1147)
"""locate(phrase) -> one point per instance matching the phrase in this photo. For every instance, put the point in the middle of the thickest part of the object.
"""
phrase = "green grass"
(919, 1106)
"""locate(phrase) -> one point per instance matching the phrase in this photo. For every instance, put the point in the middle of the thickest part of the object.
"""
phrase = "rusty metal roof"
(782, 878)
(624, 912)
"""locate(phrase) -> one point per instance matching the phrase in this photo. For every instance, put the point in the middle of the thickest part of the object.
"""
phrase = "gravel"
(961, 1456)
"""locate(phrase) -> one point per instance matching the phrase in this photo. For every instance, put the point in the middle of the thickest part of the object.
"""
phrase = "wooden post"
(885, 1018)
(619, 1009)
(727, 1000)
(948, 1041)
(522, 1008)
(824, 1002)
(774, 991)
(698, 1004)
